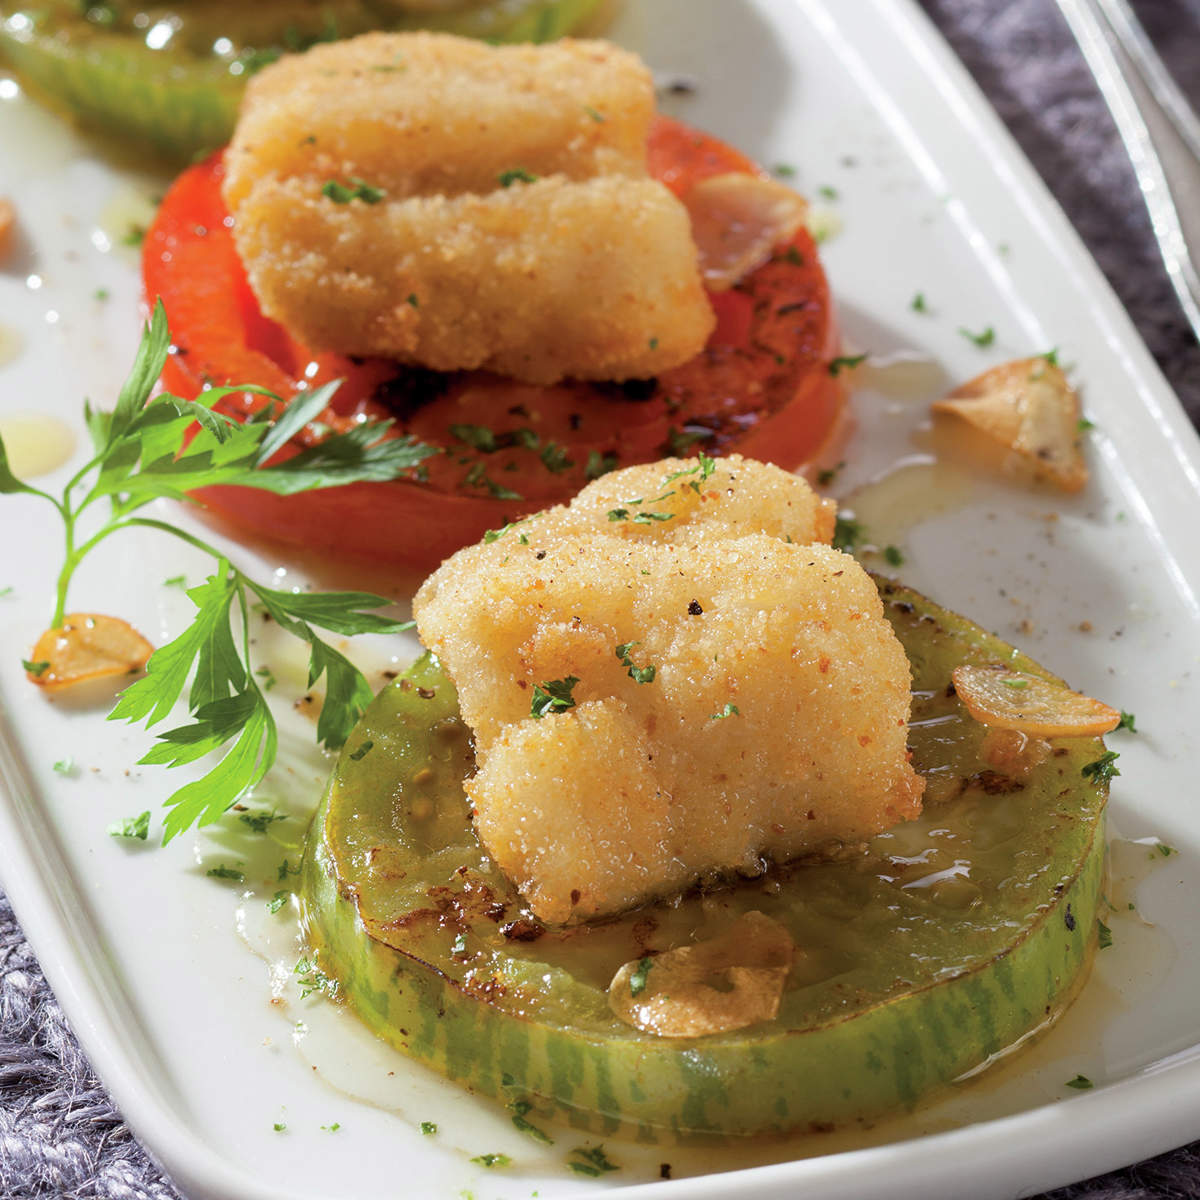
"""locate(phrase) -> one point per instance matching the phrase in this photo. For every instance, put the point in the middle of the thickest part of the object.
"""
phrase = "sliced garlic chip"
(731, 981)
(737, 221)
(87, 646)
(1030, 705)
(1029, 406)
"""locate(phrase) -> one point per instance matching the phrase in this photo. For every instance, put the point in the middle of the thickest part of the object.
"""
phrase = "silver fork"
(1160, 129)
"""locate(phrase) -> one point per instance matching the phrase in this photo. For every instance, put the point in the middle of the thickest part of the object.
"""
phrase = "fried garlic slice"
(728, 982)
(1028, 704)
(1028, 406)
(737, 221)
(87, 646)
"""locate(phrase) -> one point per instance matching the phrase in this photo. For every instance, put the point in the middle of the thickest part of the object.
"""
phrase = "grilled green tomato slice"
(168, 77)
(941, 945)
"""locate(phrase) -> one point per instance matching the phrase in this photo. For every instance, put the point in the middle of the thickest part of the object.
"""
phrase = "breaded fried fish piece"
(455, 205)
(718, 694)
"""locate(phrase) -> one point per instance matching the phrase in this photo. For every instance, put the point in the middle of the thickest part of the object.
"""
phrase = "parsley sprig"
(142, 454)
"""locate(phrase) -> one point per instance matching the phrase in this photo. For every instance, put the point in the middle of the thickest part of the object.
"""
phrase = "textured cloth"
(59, 1134)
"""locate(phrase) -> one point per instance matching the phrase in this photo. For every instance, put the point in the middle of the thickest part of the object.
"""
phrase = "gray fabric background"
(59, 1134)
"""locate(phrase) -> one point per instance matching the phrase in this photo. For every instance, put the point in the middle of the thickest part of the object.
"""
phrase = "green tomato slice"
(943, 945)
(169, 78)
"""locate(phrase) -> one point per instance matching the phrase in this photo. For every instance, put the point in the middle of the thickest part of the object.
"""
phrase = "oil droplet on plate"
(36, 444)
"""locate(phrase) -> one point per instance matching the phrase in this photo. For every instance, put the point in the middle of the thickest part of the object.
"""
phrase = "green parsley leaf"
(918, 304)
(596, 116)
(516, 175)
(553, 696)
(653, 343)
(357, 189)
(637, 981)
(1128, 721)
(64, 766)
(286, 869)
(221, 871)
(478, 437)
(1083, 425)
(35, 668)
(494, 535)
(893, 555)
(1081, 1083)
(279, 1127)
(100, 294)
(680, 441)
(332, 1128)
(591, 1160)
(478, 477)
(783, 170)
(1015, 682)
(260, 820)
(278, 901)
(1165, 850)
(411, 300)
(492, 1160)
(268, 678)
(985, 338)
(847, 533)
(363, 750)
(428, 1128)
(519, 1108)
(135, 235)
(826, 192)
(1102, 770)
(845, 362)
(179, 581)
(1051, 356)
(1105, 938)
(131, 827)
(730, 710)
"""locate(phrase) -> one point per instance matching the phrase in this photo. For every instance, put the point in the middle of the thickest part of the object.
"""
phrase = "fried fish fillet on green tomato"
(818, 992)
(169, 77)
(760, 384)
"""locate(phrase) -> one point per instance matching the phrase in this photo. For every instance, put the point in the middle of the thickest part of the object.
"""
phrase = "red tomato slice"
(760, 387)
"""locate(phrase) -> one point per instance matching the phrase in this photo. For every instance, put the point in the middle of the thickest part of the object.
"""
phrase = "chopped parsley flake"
(35, 668)
(278, 901)
(363, 750)
(131, 827)
(826, 192)
(637, 981)
(516, 175)
(332, 1128)
(286, 869)
(554, 458)
(1083, 425)
(654, 343)
(1102, 770)
(279, 1126)
(680, 441)
(599, 464)
(1016, 683)
(176, 581)
(704, 469)
(492, 1160)
(428, 1128)
(268, 678)
(730, 710)
(637, 674)
(826, 476)
(260, 820)
(982, 339)
(64, 766)
(893, 555)
(847, 533)
(357, 189)
(591, 1160)
(312, 979)
(1128, 721)
(1051, 356)
(134, 236)
(100, 294)
(553, 696)
(1105, 935)
(221, 871)
(494, 535)
(595, 114)
(845, 362)
(1165, 850)
(412, 300)
(917, 304)
(519, 1108)
(1081, 1083)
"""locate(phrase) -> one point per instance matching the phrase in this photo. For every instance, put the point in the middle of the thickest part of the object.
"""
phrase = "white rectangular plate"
(140, 945)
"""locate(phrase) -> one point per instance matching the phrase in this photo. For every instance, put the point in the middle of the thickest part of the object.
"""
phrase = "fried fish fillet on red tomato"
(760, 385)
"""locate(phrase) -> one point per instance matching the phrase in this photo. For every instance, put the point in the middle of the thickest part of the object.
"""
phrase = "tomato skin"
(760, 387)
